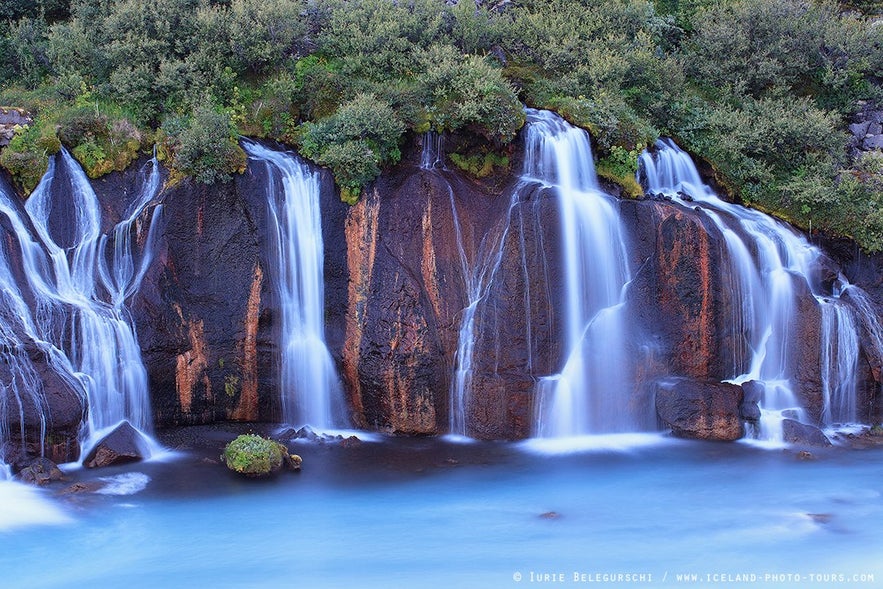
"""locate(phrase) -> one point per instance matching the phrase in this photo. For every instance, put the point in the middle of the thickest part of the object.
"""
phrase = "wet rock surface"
(700, 410)
(124, 444)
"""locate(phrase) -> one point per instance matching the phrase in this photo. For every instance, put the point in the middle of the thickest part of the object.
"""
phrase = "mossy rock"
(254, 456)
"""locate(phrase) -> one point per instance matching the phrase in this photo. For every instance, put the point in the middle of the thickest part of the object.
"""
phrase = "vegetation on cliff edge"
(762, 90)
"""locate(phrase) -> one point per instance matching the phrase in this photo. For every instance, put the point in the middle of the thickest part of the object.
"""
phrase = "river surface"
(625, 511)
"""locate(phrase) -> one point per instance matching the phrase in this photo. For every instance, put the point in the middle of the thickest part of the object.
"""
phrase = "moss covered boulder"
(254, 456)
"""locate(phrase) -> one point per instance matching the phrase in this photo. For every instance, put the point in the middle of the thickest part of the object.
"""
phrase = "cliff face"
(398, 269)
(207, 312)
(401, 268)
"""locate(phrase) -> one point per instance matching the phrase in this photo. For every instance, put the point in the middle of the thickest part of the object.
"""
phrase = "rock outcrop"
(10, 119)
(122, 445)
(700, 410)
(49, 408)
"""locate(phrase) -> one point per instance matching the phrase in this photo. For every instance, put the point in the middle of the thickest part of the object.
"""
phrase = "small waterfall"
(590, 395)
(311, 389)
(840, 348)
(763, 288)
(76, 292)
(477, 274)
(433, 153)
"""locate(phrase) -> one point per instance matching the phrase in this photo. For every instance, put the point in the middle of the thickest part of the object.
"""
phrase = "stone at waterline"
(803, 434)
(124, 444)
(749, 410)
(700, 409)
(254, 456)
(41, 471)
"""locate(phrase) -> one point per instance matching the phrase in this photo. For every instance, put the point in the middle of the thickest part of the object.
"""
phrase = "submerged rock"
(701, 410)
(124, 444)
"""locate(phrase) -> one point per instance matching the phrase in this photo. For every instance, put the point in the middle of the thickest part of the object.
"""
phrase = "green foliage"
(621, 166)
(354, 142)
(204, 145)
(100, 142)
(254, 456)
(480, 164)
(27, 155)
(459, 90)
(757, 88)
(24, 52)
(764, 48)
(231, 384)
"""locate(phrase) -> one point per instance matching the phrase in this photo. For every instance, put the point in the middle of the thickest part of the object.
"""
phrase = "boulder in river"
(124, 444)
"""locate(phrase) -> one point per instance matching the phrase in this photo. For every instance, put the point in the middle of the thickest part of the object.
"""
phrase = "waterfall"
(477, 276)
(766, 257)
(310, 387)
(77, 286)
(590, 395)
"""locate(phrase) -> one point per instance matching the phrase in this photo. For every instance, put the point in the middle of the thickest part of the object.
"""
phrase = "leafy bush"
(204, 145)
(480, 164)
(27, 155)
(354, 142)
(460, 90)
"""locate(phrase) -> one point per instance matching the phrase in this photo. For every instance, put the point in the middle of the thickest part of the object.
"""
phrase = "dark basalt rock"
(749, 410)
(41, 471)
(124, 444)
(700, 410)
(60, 410)
(803, 434)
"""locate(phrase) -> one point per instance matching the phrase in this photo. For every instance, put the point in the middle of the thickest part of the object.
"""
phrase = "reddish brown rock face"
(680, 293)
(405, 293)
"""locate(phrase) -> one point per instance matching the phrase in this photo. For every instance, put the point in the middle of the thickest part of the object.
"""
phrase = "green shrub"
(204, 145)
(621, 166)
(100, 142)
(481, 164)
(466, 91)
(254, 456)
(26, 157)
(354, 142)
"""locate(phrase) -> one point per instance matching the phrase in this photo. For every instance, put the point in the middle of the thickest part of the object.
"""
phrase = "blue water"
(428, 513)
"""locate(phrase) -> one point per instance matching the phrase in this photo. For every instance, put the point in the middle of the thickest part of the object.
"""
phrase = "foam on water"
(124, 484)
(627, 442)
(23, 506)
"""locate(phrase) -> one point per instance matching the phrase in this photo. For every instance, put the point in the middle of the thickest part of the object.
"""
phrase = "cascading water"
(763, 289)
(478, 275)
(77, 292)
(311, 390)
(590, 395)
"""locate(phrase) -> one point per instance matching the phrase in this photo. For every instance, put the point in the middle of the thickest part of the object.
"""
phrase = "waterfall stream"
(590, 394)
(478, 276)
(310, 387)
(78, 281)
(767, 259)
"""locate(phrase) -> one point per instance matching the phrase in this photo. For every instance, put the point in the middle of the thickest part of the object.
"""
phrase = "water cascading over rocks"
(778, 299)
(309, 384)
(592, 391)
(73, 286)
(477, 268)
